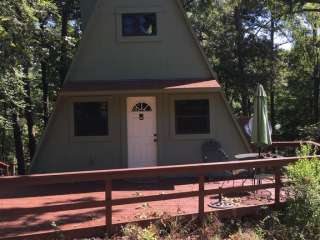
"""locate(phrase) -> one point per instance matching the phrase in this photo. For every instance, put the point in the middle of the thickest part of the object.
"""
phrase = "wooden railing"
(295, 144)
(199, 170)
(4, 168)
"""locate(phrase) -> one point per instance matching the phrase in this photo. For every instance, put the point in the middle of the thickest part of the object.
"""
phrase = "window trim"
(120, 11)
(75, 138)
(173, 134)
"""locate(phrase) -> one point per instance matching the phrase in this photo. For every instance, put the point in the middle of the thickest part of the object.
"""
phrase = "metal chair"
(213, 152)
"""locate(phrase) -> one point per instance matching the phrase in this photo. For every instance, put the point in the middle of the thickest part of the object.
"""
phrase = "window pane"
(91, 119)
(192, 116)
(139, 24)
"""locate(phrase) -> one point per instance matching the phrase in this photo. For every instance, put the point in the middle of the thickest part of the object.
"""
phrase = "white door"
(142, 131)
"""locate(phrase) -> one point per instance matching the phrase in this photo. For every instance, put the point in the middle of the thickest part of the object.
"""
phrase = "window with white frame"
(90, 119)
(192, 116)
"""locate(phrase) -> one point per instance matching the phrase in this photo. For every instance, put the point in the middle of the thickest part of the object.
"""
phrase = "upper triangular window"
(139, 24)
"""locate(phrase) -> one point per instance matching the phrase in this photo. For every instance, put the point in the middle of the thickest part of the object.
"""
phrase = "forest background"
(275, 43)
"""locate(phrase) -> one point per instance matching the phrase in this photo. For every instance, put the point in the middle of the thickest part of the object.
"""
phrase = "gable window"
(192, 116)
(90, 119)
(139, 24)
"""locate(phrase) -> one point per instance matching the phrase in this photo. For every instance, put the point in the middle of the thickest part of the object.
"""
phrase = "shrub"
(245, 235)
(178, 228)
(135, 232)
(303, 208)
(300, 218)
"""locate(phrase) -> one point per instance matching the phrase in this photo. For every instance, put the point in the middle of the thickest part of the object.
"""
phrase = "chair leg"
(233, 179)
(244, 181)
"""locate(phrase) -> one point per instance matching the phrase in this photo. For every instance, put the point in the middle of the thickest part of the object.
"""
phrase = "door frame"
(124, 122)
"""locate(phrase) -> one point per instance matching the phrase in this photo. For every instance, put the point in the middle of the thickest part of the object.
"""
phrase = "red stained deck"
(21, 213)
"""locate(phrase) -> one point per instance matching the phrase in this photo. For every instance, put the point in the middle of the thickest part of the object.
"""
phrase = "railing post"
(108, 204)
(277, 187)
(201, 199)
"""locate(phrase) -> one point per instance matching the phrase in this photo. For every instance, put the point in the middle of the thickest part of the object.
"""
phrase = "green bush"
(180, 229)
(135, 232)
(303, 209)
(300, 219)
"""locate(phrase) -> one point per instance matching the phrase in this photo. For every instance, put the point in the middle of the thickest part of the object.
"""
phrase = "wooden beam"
(277, 186)
(108, 199)
(170, 196)
(154, 198)
(195, 169)
(201, 199)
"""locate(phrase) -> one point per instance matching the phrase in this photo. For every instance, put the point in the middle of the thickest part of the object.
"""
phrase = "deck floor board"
(34, 209)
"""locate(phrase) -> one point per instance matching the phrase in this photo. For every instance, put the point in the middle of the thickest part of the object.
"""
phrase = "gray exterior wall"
(103, 56)
(86, 7)
(61, 152)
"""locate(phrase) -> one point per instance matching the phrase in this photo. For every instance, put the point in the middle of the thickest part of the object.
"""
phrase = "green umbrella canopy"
(261, 132)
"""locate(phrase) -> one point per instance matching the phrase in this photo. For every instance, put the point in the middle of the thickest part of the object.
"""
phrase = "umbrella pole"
(258, 128)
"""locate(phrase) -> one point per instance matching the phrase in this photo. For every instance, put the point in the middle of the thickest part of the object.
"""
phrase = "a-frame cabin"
(140, 92)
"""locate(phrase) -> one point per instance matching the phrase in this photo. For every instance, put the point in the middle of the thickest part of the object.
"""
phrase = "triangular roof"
(102, 56)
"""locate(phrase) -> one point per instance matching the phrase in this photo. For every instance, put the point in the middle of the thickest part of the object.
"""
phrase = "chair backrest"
(213, 152)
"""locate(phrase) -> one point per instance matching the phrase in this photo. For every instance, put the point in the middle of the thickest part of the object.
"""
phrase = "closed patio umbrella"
(261, 129)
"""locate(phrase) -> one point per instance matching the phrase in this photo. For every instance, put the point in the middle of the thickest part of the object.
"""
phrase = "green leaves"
(30, 41)
(303, 210)
(236, 37)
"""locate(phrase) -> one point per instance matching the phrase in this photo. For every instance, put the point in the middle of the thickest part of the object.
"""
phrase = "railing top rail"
(294, 143)
(102, 175)
(2, 164)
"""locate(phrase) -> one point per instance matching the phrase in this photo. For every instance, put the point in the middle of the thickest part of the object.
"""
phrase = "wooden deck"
(31, 211)
(92, 203)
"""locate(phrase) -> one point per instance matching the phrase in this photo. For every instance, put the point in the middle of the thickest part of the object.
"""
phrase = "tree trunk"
(18, 144)
(45, 93)
(66, 4)
(245, 103)
(3, 142)
(239, 45)
(273, 73)
(316, 85)
(3, 135)
(316, 77)
(44, 75)
(28, 114)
